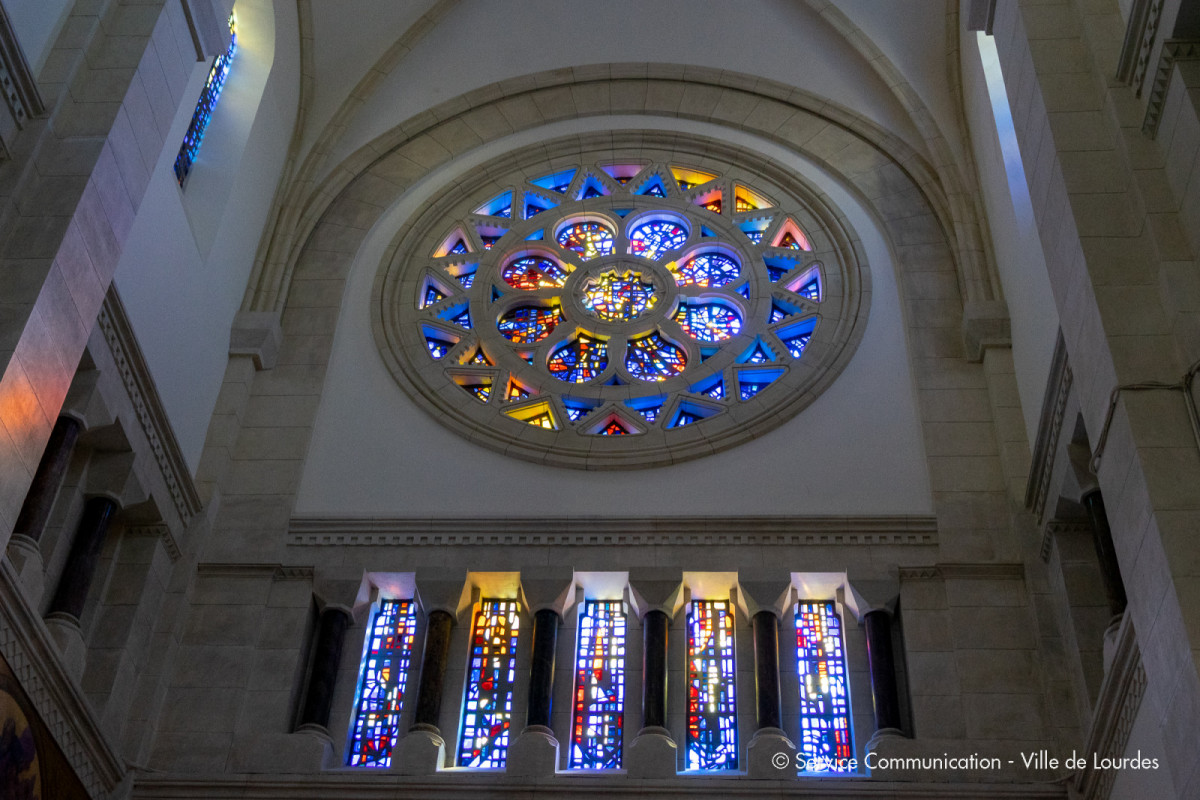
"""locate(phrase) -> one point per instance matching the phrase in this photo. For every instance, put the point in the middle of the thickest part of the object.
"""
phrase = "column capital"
(551, 590)
(656, 589)
(773, 593)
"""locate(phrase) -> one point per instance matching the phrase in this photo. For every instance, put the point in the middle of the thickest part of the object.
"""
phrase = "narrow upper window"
(712, 710)
(382, 678)
(824, 694)
(205, 105)
(599, 687)
(491, 676)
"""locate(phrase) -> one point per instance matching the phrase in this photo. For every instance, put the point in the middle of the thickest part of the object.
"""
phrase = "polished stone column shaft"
(654, 669)
(541, 668)
(47, 478)
(71, 593)
(1106, 552)
(884, 692)
(433, 670)
(327, 655)
(768, 704)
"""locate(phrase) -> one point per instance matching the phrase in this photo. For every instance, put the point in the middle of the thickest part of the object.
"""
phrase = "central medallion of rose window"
(616, 296)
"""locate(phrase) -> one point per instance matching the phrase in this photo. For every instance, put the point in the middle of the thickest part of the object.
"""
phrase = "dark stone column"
(769, 706)
(47, 478)
(884, 692)
(433, 671)
(327, 655)
(654, 669)
(1106, 553)
(541, 669)
(72, 590)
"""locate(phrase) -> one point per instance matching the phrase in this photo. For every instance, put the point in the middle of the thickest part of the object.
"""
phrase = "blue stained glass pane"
(656, 191)
(796, 344)
(598, 725)
(591, 192)
(459, 247)
(775, 273)
(432, 296)
(755, 236)
(824, 697)
(588, 239)
(811, 290)
(652, 358)
(491, 676)
(707, 269)
(437, 348)
(529, 324)
(711, 709)
(686, 418)
(382, 680)
(534, 272)
(488, 241)
(709, 322)
(652, 239)
(581, 360)
(575, 414)
(463, 318)
(204, 106)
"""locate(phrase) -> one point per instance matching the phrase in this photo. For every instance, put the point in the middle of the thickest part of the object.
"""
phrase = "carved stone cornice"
(1003, 570)
(1054, 407)
(152, 417)
(22, 101)
(614, 531)
(278, 572)
(1057, 526)
(162, 532)
(1116, 709)
(1172, 50)
(1140, 33)
(34, 659)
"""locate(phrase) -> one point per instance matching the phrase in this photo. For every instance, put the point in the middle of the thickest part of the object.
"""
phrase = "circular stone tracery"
(617, 315)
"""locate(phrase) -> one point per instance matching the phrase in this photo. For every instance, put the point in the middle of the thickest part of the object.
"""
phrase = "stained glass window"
(533, 272)
(205, 105)
(588, 239)
(613, 298)
(598, 725)
(653, 358)
(712, 710)
(528, 324)
(382, 680)
(707, 269)
(709, 322)
(604, 278)
(653, 239)
(581, 360)
(491, 676)
(796, 344)
(824, 695)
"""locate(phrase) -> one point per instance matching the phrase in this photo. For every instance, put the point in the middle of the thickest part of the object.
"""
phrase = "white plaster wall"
(36, 24)
(189, 254)
(484, 41)
(856, 450)
(1018, 248)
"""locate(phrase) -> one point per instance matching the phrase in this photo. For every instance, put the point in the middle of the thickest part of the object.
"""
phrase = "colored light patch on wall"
(599, 705)
(824, 685)
(383, 677)
(711, 701)
(491, 677)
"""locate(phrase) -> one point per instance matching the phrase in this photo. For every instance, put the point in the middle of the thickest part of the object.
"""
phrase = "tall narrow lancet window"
(824, 686)
(205, 105)
(598, 722)
(712, 709)
(381, 684)
(491, 676)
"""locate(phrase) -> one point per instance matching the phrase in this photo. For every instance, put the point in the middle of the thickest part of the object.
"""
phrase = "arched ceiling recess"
(868, 159)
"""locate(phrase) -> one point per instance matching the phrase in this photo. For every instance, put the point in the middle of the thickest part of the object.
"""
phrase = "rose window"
(621, 314)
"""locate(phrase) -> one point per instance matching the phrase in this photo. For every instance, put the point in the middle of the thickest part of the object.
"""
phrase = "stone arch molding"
(889, 178)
